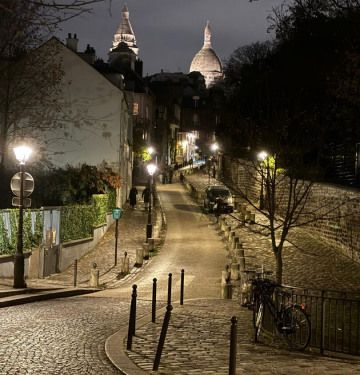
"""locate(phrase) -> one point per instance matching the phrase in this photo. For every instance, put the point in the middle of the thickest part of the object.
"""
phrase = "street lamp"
(151, 150)
(261, 157)
(214, 148)
(22, 154)
(151, 168)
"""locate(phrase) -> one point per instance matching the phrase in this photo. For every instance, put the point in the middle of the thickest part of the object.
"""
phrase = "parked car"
(215, 194)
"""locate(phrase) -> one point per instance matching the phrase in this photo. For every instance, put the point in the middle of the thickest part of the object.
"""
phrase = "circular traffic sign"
(28, 184)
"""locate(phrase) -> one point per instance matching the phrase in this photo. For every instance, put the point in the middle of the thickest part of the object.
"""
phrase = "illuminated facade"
(206, 60)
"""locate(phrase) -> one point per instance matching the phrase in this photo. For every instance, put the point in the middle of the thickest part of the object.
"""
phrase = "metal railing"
(334, 317)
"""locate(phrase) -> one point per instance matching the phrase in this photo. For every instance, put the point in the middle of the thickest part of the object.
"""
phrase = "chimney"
(72, 42)
(89, 55)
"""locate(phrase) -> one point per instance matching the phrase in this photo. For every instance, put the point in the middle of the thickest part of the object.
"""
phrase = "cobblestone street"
(198, 343)
(309, 261)
(63, 336)
(67, 336)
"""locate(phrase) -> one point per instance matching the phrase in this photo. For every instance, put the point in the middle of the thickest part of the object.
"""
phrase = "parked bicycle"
(290, 320)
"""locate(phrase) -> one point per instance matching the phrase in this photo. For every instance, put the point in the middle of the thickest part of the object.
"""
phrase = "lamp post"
(151, 168)
(22, 154)
(151, 150)
(261, 157)
(214, 148)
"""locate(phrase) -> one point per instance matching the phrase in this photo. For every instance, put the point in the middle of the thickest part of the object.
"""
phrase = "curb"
(35, 295)
(115, 344)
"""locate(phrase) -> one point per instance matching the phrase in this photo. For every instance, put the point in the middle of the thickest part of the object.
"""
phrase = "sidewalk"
(197, 341)
(309, 261)
(131, 236)
(198, 336)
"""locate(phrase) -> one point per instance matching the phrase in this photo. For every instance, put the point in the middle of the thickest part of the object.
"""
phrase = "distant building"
(125, 33)
(206, 60)
(124, 59)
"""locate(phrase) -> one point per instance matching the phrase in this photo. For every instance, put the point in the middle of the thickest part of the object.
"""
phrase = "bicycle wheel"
(295, 328)
(258, 317)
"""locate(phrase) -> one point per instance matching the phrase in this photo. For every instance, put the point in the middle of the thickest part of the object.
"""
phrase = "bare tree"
(282, 199)
(30, 76)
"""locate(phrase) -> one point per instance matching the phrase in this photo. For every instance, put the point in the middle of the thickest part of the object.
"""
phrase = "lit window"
(135, 109)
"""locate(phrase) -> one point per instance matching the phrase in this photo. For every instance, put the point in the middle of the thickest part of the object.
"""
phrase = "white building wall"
(92, 124)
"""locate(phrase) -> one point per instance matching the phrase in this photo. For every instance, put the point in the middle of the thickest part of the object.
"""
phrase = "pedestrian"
(191, 161)
(132, 196)
(213, 171)
(170, 174)
(181, 177)
(219, 208)
(146, 197)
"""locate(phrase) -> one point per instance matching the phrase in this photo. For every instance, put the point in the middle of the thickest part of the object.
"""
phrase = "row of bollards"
(132, 318)
(161, 343)
(165, 325)
(94, 275)
(233, 346)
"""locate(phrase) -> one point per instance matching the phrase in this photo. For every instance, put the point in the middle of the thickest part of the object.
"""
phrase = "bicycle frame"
(289, 319)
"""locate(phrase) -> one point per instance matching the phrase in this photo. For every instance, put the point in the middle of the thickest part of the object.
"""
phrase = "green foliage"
(77, 222)
(27, 235)
(73, 185)
(14, 220)
(4, 237)
(32, 225)
(143, 154)
(111, 203)
(301, 99)
(100, 203)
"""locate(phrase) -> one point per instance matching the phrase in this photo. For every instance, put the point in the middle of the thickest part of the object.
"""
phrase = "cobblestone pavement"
(64, 336)
(67, 336)
(131, 236)
(308, 261)
(198, 339)
(197, 342)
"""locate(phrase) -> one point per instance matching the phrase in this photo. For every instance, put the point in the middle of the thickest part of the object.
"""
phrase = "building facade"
(206, 61)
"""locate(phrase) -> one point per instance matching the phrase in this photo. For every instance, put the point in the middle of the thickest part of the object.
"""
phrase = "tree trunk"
(279, 266)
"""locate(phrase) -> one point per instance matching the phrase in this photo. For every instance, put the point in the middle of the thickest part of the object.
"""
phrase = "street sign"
(16, 202)
(28, 184)
(117, 213)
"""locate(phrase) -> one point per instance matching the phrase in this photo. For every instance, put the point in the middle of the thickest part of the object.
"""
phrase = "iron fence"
(334, 317)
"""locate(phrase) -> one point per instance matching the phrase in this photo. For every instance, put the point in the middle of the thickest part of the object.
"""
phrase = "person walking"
(132, 196)
(146, 197)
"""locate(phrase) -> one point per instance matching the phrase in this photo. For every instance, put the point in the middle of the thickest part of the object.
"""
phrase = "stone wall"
(340, 226)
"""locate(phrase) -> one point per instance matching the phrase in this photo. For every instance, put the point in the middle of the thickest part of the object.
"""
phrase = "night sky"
(170, 32)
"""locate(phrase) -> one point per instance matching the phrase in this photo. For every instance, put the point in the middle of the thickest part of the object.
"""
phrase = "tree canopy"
(297, 97)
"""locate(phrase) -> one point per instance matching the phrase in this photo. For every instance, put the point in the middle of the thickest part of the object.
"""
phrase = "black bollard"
(162, 337)
(153, 307)
(169, 289)
(132, 318)
(233, 339)
(182, 288)
(75, 271)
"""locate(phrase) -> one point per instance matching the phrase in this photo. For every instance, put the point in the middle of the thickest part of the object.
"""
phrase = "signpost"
(22, 185)
(116, 214)
(28, 184)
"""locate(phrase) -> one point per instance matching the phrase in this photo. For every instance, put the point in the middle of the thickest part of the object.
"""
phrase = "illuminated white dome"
(206, 60)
